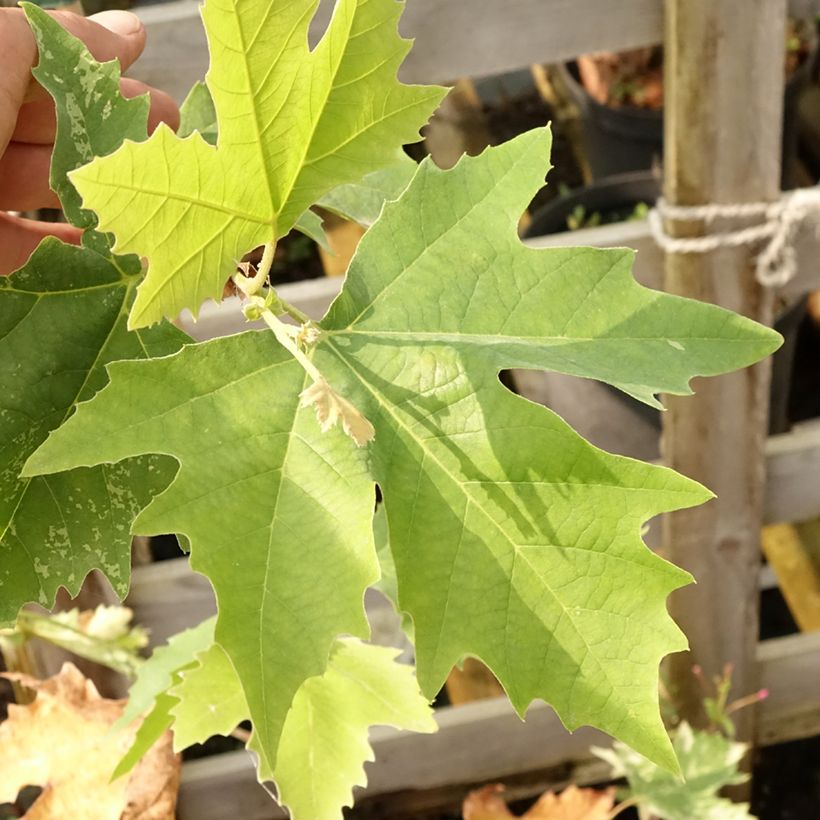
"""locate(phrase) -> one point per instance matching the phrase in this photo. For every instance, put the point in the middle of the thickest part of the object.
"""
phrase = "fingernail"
(120, 22)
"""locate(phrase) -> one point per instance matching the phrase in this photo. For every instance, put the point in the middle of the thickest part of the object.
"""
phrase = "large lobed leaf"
(293, 123)
(62, 319)
(277, 513)
(514, 539)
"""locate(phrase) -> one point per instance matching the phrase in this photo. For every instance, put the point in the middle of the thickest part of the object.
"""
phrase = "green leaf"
(152, 728)
(197, 113)
(324, 742)
(515, 541)
(93, 118)
(156, 675)
(62, 319)
(208, 699)
(293, 123)
(708, 762)
(363, 201)
(359, 201)
(272, 506)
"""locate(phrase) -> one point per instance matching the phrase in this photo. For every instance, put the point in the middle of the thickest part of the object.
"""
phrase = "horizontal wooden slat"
(790, 670)
(485, 741)
(456, 38)
(792, 472)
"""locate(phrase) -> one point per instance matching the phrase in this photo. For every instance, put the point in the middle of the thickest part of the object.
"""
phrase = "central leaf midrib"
(175, 195)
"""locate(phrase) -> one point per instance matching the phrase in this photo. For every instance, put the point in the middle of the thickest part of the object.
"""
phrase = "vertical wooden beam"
(724, 93)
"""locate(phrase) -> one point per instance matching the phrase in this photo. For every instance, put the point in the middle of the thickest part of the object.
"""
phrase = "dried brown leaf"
(63, 743)
(571, 804)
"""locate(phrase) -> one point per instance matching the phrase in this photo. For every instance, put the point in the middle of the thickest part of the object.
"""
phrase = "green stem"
(295, 313)
(251, 285)
(284, 336)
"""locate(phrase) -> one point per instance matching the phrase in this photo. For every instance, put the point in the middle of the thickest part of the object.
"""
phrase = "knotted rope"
(779, 223)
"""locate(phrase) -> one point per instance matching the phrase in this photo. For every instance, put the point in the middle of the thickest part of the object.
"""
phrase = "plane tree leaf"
(515, 541)
(291, 566)
(509, 531)
(63, 743)
(197, 113)
(208, 699)
(62, 319)
(292, 122)
(325, 741)
(155, 676)
(360, 201)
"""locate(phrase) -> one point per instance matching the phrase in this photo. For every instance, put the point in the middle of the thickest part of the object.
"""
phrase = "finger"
(19, 238)
(109, 35)
(24, 172)
(36, 123)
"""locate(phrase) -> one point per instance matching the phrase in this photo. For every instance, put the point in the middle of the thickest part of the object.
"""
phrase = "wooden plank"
(722, 144)
(485, 741)
(790, 670)
(459, 38)
(792, 469)
(168, 596)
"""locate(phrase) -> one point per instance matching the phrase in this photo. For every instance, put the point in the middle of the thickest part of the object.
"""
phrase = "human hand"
(27, 120)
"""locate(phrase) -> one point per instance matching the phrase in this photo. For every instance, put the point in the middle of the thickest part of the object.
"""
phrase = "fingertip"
(124, 23)
(163, 109)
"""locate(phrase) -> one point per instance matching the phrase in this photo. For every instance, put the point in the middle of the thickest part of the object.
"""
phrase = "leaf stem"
(285, 335)
(251, 285)
(295, 313)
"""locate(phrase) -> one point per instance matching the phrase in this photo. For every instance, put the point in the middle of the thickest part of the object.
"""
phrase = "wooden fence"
(485, 740)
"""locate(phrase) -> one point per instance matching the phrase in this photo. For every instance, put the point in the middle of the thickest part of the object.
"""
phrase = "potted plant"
(620, 99)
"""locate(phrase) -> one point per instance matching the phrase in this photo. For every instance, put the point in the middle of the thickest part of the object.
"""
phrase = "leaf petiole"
(331, 408)
(251, 285)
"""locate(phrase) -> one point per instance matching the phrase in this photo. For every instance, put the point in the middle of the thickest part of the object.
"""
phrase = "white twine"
(778, 226)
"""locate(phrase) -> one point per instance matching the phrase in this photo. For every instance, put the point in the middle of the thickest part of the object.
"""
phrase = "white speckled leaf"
(93, 118)
(278, 514)
(62, 319)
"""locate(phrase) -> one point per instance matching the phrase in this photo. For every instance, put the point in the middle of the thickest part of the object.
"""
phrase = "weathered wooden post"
(724, 87)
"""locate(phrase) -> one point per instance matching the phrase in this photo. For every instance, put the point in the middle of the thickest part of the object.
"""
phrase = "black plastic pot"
(620, 140)
(619, 195)
(616, 140)
(614, 198)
